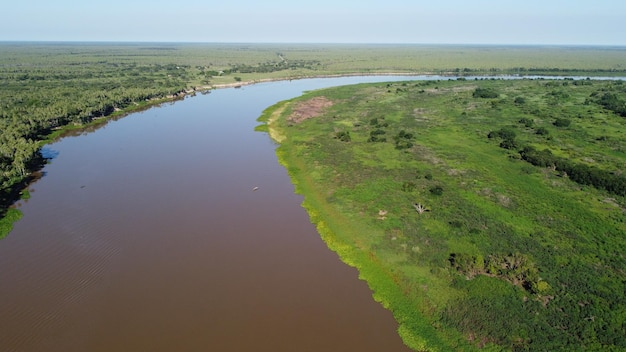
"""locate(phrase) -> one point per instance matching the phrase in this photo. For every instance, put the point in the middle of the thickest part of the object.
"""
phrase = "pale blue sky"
(591, 22)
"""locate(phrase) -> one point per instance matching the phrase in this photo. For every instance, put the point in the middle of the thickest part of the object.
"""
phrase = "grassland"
(430, 190)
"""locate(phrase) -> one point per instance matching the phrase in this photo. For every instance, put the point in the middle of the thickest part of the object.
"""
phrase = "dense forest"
(494, 210)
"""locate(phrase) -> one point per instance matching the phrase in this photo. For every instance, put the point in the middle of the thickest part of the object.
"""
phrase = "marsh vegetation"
(484, 213)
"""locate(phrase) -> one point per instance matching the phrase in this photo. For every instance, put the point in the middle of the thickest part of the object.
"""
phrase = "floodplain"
(483, 213)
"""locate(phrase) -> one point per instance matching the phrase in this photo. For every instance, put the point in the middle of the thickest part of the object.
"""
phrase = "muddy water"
(146, 235)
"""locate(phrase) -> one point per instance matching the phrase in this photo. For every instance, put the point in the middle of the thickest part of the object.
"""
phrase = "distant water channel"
(146, 235)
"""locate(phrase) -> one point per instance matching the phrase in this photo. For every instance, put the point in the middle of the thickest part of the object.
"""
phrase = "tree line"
(36, 101)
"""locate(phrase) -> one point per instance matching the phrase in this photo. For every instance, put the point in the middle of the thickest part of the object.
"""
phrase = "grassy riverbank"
(444, 197)
(50, 87)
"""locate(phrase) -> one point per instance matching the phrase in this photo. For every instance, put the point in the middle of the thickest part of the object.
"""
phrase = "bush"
(409, 186)
(509, 144)
(561, 122)
(485, 93)
(404, 140)
(377, 123)
(343, 136)
(612, 102)
(375, 138)
(436, 190)
(583, 174)
(504, 133)
(527, 122)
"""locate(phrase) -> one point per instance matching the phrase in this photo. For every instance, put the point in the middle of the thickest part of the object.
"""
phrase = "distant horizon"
(307, 43)
(445, 22)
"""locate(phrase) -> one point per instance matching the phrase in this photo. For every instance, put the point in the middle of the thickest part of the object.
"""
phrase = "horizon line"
(303, 43)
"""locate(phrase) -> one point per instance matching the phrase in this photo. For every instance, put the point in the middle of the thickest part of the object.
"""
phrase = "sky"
(528, 22)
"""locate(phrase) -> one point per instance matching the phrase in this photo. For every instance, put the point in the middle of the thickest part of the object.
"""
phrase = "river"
(147, 235)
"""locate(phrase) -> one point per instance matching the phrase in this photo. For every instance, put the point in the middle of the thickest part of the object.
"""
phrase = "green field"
(485, 214)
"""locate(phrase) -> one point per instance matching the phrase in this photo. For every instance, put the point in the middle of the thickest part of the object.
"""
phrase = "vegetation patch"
(486, 226)
(6, 222)
(309, 109)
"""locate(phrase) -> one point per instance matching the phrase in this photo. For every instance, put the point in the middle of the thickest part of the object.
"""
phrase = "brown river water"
(146, 235)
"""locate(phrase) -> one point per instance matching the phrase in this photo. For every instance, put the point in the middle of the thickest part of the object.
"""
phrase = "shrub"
(612, 102)
(408, 186)
(504, 133)
(343, 136)
(485, 93)
(508, 144)
(403, 140)
(561, 122)
(436, 190)
(527, 122)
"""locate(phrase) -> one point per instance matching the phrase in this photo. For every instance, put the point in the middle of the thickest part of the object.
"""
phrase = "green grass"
(483, 201)
(6, 223)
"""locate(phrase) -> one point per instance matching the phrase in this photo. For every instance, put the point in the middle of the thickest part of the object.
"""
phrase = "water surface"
(146, 235)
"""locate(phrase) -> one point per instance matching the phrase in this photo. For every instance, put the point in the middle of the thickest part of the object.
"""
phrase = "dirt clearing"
(309, 109)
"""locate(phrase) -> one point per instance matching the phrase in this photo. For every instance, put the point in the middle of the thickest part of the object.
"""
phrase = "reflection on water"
(49, 153)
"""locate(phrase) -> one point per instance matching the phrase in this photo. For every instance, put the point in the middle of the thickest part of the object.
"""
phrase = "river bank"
(481, 205)
(149, 209)
(342, 235)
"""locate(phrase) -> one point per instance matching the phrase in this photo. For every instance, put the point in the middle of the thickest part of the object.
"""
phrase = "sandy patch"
(274, 134)
(309, 109)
